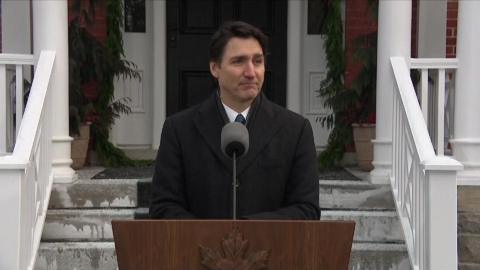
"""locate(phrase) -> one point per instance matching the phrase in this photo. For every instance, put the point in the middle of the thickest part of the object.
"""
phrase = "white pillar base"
(382, 163)
(62, 172)
(467, 152)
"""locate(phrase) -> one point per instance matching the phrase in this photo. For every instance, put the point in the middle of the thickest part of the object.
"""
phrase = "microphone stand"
(235, 185)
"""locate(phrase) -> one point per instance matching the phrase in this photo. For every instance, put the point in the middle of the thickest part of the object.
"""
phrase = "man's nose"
(249, 70)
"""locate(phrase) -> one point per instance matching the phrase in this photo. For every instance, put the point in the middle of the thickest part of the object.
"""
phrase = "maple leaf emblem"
(233, 255)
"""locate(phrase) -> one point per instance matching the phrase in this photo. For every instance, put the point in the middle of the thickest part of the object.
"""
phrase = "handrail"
(433, 107)
(23, 147)
(16, 59)
(423, 183)
(26, 175)
(430, 63)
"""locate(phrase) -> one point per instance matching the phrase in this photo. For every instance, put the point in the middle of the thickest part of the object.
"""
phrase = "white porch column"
(466, 145)
(159, 69)
(50, 31)
(394, 35)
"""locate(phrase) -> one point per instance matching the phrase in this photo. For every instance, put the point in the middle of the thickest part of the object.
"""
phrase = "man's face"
(241, 72)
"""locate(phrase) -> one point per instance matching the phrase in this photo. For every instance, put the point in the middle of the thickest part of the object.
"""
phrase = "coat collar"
(263, 124)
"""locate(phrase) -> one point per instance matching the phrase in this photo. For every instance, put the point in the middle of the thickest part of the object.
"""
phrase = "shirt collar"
(232, 114)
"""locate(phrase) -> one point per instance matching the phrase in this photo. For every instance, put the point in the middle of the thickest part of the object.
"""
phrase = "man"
(277, 177)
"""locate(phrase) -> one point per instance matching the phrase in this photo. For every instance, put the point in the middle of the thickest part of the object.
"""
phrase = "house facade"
(431, 33)
(406, 29)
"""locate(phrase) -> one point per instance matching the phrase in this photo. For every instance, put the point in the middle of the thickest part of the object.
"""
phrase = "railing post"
(441, 213)
(3, 111)
(441, 112)
(18, 97)
(424, 93)
(10, 197)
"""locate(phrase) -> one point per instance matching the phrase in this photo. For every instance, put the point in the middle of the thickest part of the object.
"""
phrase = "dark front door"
(190, 24)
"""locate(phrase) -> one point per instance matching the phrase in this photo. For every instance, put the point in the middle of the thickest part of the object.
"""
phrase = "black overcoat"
(278, 178)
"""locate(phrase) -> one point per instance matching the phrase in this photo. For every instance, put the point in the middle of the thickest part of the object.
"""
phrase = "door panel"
(135, 129)
(190, 24)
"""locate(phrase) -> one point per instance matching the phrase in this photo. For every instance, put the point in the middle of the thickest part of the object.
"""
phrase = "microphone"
(234, 142)
(234, 139)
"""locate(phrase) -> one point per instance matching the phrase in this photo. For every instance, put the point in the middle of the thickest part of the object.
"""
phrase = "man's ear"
(214, 69)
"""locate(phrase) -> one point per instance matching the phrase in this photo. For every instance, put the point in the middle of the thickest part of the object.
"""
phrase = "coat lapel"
(263, 126)
(209, 123)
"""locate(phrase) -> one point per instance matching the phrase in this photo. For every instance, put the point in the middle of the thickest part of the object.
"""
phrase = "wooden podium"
(232, 245)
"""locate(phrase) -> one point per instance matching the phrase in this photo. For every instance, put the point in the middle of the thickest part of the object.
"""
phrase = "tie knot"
(240, 119)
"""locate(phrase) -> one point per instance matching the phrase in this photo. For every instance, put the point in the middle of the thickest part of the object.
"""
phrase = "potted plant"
(365, 87)
(81, 48)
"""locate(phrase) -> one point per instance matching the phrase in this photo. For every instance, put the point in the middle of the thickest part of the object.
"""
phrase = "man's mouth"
(248, 84)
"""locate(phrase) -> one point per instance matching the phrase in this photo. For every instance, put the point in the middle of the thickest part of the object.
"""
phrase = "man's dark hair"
(233, 29)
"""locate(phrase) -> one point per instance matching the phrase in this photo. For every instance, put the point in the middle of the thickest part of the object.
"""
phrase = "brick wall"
(358, 22)
(99, 27)
(452, 14)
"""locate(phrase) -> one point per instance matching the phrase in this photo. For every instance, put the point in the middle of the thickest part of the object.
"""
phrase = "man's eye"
(237, 61)
(258, 61)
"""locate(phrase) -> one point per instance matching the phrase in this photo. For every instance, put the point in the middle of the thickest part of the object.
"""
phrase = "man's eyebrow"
(243, 56)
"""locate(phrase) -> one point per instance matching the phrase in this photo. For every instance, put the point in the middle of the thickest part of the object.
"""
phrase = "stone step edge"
(87, 211)
(134, 181)
(110, 244)
(342, 212)
(103, 181)
(147, 179)
(347, 183)
(326, 182)
(144, 210)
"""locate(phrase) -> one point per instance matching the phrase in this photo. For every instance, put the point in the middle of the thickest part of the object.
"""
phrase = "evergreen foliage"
(106, 108)
(348, 105)
(91, 60)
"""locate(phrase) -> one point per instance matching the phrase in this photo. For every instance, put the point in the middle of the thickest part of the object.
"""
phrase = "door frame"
(294, 63)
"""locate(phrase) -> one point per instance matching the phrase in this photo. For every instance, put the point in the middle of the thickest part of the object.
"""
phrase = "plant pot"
(90, 90)
(79, 146)
(363, 134)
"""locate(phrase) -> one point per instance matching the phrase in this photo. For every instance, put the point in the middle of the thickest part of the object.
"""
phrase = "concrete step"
(94, 194)
(357, 195)
(334, 194)
(84, 255)
(369, 256)
(371, 226)
(82, 225)
(101, 256)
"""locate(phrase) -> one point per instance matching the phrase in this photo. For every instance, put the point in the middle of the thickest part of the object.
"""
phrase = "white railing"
(12, 67)
(436, 97)
(26, 175)
(423, 183)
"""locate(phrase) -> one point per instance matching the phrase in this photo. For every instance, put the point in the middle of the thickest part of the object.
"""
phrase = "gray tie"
(240, 119)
